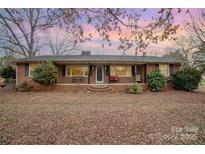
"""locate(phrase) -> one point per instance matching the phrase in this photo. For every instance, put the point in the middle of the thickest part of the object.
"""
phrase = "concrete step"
(99, 88)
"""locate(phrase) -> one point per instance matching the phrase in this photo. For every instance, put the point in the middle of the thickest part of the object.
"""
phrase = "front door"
(99, 74)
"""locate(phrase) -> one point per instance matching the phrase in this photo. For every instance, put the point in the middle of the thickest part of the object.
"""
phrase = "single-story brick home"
(115, 72)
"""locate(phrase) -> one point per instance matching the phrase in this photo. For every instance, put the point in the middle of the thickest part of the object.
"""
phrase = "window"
(68, 70)
(32, 66)
(121, 71)
(26, 70)
(76, 70)
(85, 69)
(164, 69)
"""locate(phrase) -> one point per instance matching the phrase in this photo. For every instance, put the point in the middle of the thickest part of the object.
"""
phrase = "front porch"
(98, 74)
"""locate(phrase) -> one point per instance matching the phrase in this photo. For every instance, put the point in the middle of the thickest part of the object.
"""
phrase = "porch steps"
(99, 88)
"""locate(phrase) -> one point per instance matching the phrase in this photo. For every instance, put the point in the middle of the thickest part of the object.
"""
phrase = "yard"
(201, 86)
(170, 117)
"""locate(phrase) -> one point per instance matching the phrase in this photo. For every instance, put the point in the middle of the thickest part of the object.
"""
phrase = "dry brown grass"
(201, 86)
(90, 118)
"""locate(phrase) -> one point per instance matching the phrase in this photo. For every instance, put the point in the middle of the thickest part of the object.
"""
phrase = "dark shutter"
(171, 71)
(90, 70)
(133, 70)
(26, 70)
(145, 73)
(108, 70)
(156, 66)
(63, 69)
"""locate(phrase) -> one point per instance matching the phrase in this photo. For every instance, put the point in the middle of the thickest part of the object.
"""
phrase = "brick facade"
(67, 80)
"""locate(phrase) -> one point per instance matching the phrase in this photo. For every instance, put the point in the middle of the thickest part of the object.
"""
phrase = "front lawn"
(171, 117)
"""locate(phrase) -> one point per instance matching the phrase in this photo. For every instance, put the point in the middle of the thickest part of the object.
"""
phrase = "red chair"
(114, 78)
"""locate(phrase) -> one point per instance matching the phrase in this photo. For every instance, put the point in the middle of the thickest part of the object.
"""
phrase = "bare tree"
(186, 48)
(20, 27)
(196, 27)
(61, 44)
(183, 48)
(196, 31)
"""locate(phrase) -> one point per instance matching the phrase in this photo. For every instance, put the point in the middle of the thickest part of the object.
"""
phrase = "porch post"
(17, 76)
(89, 72)
(108, 73)
(145, 73)
(135, 73)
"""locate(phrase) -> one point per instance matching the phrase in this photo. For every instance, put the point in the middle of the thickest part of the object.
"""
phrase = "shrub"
(25, 86)
(136, 89)
(45, 74)
(8, 73)
(187, 79)
(156, 81)
(2, 82)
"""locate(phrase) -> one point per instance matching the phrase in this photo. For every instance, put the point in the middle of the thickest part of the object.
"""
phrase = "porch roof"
(101, 58)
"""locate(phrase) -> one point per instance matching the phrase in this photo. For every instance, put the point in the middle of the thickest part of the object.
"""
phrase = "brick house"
(115, 72)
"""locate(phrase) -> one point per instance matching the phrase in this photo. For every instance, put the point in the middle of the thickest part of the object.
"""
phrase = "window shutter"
(26, 70)
(171, 71)
(63, 69)
(156, 66)
(133, 70)
(90, 70)
(108, 70)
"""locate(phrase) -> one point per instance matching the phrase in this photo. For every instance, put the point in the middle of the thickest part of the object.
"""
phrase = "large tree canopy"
(141, 29)
(20, 27)
(196, 31)
(190, 46)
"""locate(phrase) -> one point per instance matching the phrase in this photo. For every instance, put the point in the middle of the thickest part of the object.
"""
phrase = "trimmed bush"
(45, 74)
(136, 89)
(156, 81)
(8, 73)
(187, 79)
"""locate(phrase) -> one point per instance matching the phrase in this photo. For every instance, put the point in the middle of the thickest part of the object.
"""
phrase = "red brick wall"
(176, 67)
(150, 68)
(93, 76)
(61, 79)
(21, 76)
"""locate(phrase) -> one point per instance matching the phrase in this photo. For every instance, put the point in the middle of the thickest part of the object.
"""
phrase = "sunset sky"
(95, 45)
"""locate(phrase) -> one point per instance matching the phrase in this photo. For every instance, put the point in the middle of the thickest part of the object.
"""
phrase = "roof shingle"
(100, 58)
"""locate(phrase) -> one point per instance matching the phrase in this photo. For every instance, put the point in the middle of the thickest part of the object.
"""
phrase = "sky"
(95, 44)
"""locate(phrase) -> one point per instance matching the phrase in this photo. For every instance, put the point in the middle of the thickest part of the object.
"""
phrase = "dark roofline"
(100, 58)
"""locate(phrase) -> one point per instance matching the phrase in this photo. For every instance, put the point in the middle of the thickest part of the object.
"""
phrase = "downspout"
(17, 78)
(145, 73)
(89, 72)
(108, 73)
(135, 73)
